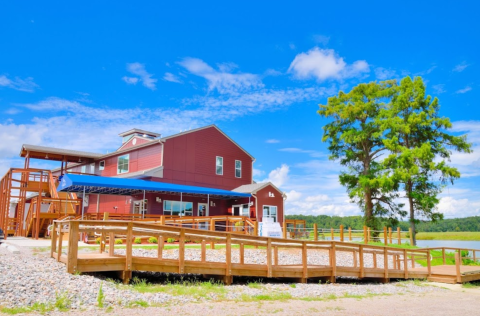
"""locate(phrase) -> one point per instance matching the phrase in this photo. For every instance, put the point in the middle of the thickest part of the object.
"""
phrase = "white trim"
(100, 167)
(206, 209)
(276, 216)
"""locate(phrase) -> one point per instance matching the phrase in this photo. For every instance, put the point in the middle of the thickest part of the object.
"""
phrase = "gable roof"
(255, 187)
(56, 151)
(140, 131)
(205, 127)
(137, 137)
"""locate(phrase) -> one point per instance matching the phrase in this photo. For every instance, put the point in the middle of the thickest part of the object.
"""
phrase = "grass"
(472, 285)
(196, 289)
(276, 296)
(100, 296)
(474, 236)
(62, 304)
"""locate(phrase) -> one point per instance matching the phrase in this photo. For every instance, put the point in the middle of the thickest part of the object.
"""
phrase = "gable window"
(238, 169)
(101, 165)
(122, 164)
(270, 212)
(84, 169)
(177, 208)
(219, 165)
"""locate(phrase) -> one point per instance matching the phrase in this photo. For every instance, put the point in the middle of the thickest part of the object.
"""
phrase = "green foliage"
(100, 296)
(170, 240)
(152, 240)
(118, 242)
(355, 138)
(137, 240)
(98, 240)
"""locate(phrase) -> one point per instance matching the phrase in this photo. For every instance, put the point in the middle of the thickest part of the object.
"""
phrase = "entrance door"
(236, 209)
(203, 211)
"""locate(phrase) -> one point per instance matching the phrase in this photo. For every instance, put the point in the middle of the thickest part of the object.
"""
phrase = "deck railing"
(396, 263)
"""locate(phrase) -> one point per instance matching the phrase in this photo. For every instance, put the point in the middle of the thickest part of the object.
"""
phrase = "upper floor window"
(219, 165)
(122, 165)
(101, 165)
(84, 169)
(238, 169)
(92, 168)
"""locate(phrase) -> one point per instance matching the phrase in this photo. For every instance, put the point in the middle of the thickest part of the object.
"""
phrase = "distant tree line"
(467, 224)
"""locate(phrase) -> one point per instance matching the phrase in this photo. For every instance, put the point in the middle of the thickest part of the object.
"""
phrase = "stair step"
(443, 279)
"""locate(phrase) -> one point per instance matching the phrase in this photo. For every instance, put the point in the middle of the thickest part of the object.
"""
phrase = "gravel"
(28, 277)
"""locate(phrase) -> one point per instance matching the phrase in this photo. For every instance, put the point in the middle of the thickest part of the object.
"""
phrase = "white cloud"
(272, 141)
(19, 84)
(222, 80)
(142, 75)
(439, 88)
(323, 64)
(460, 67)
(278, 176)
(130, 80)
(464, 90)
(172, 78)
(452, 207)
(293, 195)
(258, 173)
(384, 74)
(312, 153)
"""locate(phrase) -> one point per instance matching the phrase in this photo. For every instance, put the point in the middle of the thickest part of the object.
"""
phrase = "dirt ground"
(457, 301)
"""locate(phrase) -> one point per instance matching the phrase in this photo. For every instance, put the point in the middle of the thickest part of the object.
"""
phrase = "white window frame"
(183, 208)
(83, 169)
(101, 165)
(218, 165)
(92, 168)
(118, 163)
(269, 215)
(239, 169)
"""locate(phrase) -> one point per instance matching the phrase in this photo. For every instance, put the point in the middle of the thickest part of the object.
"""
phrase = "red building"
(204, 157)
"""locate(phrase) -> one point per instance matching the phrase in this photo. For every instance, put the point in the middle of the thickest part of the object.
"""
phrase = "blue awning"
(119, 186)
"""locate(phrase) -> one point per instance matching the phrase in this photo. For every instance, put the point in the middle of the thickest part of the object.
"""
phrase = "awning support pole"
(181, 204)
(83, 202)
(143, 205)
(208, 205)
(248, 207)
(98, 202)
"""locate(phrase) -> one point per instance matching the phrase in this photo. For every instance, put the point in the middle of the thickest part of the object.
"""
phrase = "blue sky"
(76, 75)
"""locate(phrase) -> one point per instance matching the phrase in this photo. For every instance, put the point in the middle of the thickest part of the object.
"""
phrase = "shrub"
(137, 240)
(152, 240)
(97, 240)
(171, 240)
(118, 241)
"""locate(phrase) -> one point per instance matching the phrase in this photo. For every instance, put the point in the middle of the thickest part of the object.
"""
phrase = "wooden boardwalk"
(364, 261)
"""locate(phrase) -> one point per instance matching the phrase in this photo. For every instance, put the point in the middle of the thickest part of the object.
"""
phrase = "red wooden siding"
(190, 159)
(129, 143)
(263, 198)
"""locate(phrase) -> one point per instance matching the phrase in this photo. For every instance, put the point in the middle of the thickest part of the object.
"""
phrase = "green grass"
(472, 285)
(62, 303)
(449, 236)
(195, 289)
(276, 296)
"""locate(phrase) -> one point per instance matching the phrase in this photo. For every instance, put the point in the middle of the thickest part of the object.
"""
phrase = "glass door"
(203, 211)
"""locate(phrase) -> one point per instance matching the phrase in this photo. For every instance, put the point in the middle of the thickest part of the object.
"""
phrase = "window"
(219, 165)
(92, 168)
(122, 165)
(84, 169)
(101, 165)
(245, 210)
(238, 169)
(270, 212)
(177, 208)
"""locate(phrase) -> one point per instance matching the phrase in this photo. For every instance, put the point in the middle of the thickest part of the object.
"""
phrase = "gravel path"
(29, 278)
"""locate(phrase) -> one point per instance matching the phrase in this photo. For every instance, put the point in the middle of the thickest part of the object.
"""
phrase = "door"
(203, 211)
(236, 210)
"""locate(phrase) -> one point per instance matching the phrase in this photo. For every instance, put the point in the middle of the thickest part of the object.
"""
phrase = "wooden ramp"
(273, 257)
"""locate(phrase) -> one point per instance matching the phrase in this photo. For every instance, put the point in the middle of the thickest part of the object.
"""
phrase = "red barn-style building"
(204, 157)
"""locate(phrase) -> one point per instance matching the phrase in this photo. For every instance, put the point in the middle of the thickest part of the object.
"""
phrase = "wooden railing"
(394, 264)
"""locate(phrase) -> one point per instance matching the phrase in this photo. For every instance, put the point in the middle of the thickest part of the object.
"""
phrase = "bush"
(118, 242)
(152, 240)
(137, 240)
(171, 240)
(97, 240)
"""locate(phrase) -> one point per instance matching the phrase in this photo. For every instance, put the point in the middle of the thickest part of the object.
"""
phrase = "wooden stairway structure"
(33, 188)
(312, 259)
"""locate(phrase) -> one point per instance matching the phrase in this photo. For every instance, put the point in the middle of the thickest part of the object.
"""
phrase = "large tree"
(356, 139)
(420, 146)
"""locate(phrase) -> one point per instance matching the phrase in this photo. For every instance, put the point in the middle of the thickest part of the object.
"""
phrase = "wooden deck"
(314, 259)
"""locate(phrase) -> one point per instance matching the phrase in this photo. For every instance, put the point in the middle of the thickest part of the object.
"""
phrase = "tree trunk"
(369, 218)
(412, 212)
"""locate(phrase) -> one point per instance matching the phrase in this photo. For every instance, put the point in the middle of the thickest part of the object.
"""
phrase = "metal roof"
(140, 131)
(58, 151)
(119, 186)
(255, 187)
